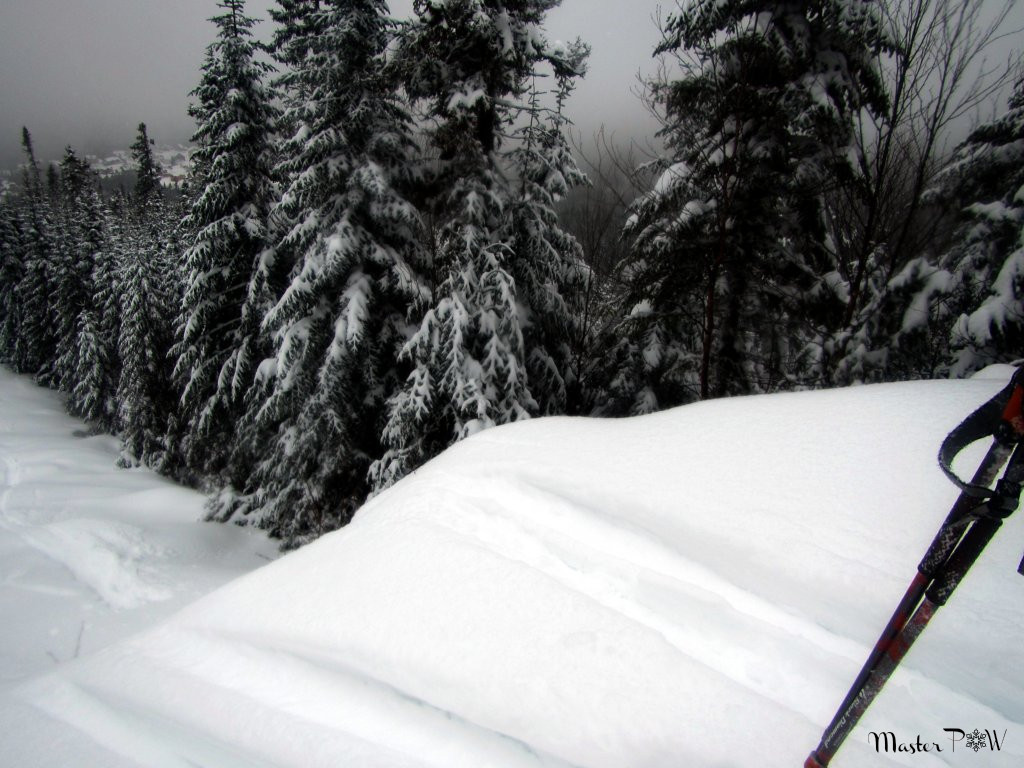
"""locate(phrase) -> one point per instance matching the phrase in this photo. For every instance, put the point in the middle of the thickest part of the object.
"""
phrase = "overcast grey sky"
(86, 72)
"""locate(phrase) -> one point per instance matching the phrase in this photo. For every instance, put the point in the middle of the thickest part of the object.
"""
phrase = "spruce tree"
(149, 289)
(730, 242)
(219, 343)
(38, 328)
(547, 266)
(99, 403)
(352, 241)
(145, 397)
(80, 237)
(96, 371)
(91, 391)
(470, 63)
(12, 271)
(147, 170)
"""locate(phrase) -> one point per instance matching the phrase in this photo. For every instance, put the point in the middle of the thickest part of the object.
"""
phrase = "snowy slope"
(693, 588)
(89, 554)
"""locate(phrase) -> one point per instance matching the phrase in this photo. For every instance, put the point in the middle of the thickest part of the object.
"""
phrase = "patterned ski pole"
(941, 548)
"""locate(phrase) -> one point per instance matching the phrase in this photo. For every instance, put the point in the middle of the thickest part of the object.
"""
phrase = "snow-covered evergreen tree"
(352, 240)
(38, 329)
(547, 266)
(986, 306)
(80, 237)
(956, 312)
(901, 331)
(730, 242)
(470, 62)
(103, 332)
(12, 270)
(149, 287)
(219, 345)
(91, 389)
(87, 359)
(145, 397)
(147, 169)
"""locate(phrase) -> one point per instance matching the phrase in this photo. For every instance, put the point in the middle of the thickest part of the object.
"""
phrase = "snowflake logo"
(976, 740)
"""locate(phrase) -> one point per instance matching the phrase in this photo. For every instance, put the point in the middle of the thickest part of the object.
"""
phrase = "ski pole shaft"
(971, 546)
(875, 680)
(878, 675)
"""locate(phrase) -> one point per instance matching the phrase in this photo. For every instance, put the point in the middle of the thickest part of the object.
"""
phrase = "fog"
(87, 72)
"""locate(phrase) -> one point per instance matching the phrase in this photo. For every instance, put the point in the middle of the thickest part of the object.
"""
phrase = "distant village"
(117, 169)
(173, 160)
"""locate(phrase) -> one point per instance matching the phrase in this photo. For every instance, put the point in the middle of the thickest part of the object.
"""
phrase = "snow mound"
(997, 372)
(692, 588)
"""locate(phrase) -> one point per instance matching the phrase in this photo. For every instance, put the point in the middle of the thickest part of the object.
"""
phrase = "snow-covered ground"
(691, 589)
(89, 555)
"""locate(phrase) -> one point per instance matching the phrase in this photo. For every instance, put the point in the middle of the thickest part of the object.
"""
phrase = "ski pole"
(986, 520)
(939, 551)
(969, 526)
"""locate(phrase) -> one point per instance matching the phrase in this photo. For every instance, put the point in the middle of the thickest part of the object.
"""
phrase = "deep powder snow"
(693, 588)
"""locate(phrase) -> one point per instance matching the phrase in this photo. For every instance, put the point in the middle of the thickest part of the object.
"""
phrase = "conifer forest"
(392, 237)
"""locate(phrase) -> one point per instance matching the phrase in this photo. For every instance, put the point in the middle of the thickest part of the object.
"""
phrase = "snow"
(466, 99)
(997, 372)
(110, 558)
(670, 178)
(1003, 304)
(89, 554)
(917, 314)
(642, 308)
(691, 588)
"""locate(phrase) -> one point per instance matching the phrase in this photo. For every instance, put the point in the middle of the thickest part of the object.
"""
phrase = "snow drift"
(693, 588)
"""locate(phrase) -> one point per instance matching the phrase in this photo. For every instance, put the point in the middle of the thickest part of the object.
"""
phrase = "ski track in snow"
(641, 579)
(648, 583)
(365, 720)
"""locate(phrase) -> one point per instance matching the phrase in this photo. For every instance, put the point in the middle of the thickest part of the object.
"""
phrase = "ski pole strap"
(1001, 417)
